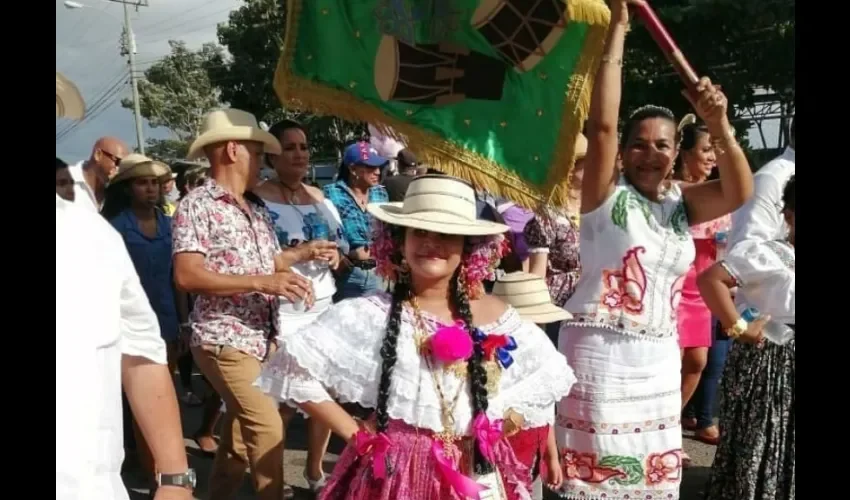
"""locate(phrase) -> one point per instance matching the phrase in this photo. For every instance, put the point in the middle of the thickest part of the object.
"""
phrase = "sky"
(87, 52)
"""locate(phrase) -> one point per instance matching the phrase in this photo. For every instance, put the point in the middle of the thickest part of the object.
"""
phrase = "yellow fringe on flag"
(303, 94)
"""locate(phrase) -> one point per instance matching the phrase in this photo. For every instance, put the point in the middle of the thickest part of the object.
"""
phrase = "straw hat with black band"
(232, 125)
(137, 165)
(529, 295)
(440, 204)
(69, 101)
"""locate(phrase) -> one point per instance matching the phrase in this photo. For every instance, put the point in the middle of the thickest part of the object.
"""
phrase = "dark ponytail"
(476, 371)
(388, 352)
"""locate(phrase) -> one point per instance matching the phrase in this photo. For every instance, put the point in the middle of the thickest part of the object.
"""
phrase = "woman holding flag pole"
(618, 431)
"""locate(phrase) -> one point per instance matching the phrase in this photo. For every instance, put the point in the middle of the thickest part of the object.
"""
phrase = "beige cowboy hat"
(581, 146)
(440, 204)
(529, 295)
(69, 101)
(136, 165)
(231, 125)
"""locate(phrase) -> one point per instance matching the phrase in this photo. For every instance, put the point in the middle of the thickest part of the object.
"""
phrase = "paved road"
(295, 457)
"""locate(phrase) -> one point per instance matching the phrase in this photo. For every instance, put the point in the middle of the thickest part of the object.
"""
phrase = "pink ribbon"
(464, 486)
(487, 434)
(377, 445)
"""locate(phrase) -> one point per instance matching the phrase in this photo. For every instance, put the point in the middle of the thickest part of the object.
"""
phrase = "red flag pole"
(668, 46)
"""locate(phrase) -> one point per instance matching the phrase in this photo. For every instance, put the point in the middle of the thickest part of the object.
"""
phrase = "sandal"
(317, 485)
(686, 460)
(689, 424)
(710, 437)
(211, 445)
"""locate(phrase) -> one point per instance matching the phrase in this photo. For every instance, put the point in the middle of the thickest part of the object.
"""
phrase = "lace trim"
(618, 323)
(341, 352)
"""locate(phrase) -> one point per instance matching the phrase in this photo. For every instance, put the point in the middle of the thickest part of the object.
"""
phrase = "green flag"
(492, 91)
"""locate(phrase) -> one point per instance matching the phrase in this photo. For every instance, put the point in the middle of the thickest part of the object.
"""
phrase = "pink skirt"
(693, 316)
(413, 473)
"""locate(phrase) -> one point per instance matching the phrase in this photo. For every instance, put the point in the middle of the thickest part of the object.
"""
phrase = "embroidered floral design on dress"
(628, 200)
(625, 288)
(584, 467)
(676, 295)
(664, 467)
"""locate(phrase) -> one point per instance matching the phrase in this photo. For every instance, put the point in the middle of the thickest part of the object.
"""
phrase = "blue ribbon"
(503, 355)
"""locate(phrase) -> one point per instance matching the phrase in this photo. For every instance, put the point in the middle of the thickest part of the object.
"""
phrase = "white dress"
(340, 353)
(618, 431)
(291, 225)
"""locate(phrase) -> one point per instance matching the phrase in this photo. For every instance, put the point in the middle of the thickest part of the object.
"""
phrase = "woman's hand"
(552, 474)
(711, 105)
(754, 333)
(620, 10)
(317, 250)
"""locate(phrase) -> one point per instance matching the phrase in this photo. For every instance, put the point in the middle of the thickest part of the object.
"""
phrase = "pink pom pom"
(451, 344)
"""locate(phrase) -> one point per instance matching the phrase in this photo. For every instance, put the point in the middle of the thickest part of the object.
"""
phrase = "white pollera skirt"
(618, 432)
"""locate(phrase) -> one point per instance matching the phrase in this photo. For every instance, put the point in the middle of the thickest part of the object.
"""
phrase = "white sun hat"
(529, 295)
(440, 204)
(231, 125)
(69, 101)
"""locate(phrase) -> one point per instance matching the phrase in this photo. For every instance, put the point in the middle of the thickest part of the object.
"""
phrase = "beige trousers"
(251, 432)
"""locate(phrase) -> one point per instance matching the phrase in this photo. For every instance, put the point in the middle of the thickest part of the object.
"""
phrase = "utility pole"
(129, 44)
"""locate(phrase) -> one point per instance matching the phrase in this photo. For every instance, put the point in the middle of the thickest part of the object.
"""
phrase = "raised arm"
(600, 171)
(709, 200)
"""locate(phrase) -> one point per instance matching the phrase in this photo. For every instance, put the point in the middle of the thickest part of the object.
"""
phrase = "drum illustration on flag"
(523, 31)
(435, 74)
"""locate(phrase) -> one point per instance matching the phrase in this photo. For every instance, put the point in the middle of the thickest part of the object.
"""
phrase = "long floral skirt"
(412, 472)
(755, 457)
(618, 432)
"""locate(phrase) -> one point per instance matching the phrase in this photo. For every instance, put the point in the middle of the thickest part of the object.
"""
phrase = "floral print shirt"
(555, 234)
(233, 241)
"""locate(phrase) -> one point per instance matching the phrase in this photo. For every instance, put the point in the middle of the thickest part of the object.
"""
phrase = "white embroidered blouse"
(339, 354)
(634, 257)
(766, 278)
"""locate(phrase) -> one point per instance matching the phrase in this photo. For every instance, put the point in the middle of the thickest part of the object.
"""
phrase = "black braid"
(477, 373)
(388, 352)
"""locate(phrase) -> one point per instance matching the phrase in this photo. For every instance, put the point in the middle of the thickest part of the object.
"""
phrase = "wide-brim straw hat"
(69, 101)
(440, 204)
(232, 125)
(529, 295)
(137, 165)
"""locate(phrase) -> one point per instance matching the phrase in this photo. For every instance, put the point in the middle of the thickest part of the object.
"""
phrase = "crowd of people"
(461, 345)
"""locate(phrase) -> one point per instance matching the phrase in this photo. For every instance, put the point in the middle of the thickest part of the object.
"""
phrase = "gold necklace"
(459, 368)
(447, 437)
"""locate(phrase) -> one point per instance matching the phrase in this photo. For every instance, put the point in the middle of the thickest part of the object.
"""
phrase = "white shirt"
(765, 273)
(102, 313)
(761, 217)
(83, 193)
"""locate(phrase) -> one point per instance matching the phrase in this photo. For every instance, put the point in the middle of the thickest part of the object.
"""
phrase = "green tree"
(176, 93)
(253, 37)
(166, 149)
(744, 45)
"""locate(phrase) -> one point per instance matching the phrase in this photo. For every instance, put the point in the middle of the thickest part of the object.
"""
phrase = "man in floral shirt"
(226, 253)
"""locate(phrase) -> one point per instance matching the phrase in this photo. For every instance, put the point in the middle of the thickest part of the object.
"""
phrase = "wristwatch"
(186, 480)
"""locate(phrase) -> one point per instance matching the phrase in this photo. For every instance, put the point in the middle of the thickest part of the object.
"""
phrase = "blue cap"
(362, 153)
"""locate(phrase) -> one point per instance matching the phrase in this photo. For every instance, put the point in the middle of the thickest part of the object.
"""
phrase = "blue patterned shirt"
(356, 222)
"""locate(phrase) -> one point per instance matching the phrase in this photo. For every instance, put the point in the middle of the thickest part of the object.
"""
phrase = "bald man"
(90, 176)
